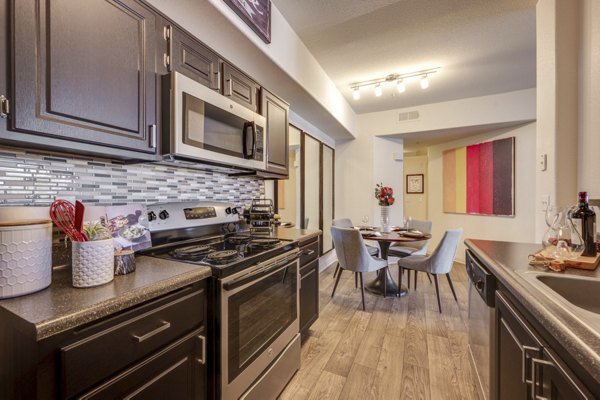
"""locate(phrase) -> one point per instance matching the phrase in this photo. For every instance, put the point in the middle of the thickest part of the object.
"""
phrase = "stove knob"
(163, 214)
(235, 210)
(479, 285)
(228, 210)
(151, 216)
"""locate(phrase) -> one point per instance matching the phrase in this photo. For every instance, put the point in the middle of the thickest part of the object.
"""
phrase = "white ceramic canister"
(93, 263)
(25, 257)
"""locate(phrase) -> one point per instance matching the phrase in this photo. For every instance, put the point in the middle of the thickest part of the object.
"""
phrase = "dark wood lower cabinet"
(156, 350)
(527, 368)
(176, 372)
(309, 284)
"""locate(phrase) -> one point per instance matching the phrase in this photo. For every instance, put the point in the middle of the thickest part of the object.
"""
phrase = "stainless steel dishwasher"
(482, 313)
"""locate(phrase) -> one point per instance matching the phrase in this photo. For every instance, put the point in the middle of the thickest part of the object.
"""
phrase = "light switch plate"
(543, 162)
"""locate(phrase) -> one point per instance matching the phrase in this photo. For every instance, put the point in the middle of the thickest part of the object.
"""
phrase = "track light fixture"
(400, 80)
(424, 82)
(378, 90)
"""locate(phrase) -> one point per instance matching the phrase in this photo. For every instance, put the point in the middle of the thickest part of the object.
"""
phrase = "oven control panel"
(200, 212)
(165, 216)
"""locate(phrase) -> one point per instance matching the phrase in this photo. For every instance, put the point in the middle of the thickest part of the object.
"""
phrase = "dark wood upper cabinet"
(239, 88)
(4, 35)
(276, 111)
(84, 73)
(185, 54)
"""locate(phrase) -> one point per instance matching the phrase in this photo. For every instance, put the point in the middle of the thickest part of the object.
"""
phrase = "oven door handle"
(266, 270)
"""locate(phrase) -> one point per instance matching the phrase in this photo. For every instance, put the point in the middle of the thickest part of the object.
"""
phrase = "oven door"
(208, 126)
(259, 318)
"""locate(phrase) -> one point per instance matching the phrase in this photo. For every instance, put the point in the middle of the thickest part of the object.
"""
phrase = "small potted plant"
(93, 260)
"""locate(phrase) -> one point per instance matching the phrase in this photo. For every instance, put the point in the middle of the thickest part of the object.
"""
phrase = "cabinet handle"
(229, 88)
(524, 350)
(308, 252)
(535, 362)
(163, 327)
(152, 136)
(217, 78)
(4, 107)
(202, 359)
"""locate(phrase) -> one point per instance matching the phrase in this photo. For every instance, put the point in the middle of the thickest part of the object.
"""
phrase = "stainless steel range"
(254, 290)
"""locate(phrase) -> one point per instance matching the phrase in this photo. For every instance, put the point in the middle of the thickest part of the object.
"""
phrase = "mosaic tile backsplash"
(35, 179)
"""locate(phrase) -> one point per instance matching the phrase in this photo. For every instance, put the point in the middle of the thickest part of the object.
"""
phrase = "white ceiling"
(481, 46)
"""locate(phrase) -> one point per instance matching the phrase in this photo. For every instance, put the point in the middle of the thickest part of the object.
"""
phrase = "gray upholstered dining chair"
(439, 262)
(353, 256)
(347, 223)
(418, 248)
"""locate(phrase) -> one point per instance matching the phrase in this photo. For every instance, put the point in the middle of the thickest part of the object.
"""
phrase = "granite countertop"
(295, 234)
(509, 263)
(61, 306)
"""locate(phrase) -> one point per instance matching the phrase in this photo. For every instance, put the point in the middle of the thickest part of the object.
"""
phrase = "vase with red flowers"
(385, 197)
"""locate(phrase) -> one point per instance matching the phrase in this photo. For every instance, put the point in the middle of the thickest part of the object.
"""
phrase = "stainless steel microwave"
(206, 126)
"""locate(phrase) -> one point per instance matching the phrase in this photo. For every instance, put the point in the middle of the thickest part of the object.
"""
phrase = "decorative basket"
(93, 263)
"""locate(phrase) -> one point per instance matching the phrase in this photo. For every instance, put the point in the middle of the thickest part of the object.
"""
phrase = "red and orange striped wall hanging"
(480, 178)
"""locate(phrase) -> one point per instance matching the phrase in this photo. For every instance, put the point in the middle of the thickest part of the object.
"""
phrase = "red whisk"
(62, 214)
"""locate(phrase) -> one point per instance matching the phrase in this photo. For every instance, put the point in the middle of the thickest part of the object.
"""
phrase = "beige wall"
(415, 205)
(521, 227)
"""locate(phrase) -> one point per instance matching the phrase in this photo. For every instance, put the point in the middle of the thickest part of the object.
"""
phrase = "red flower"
(384, 194)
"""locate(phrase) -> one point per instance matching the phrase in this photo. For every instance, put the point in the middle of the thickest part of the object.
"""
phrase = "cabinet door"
(176, 372)
(84, 73)
(275, 111)
(327, 161)
(190, 57)
(240, 88)
(309, 295)
(516, 345)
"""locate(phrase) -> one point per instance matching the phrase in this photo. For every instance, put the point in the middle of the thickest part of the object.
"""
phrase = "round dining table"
(385, 240)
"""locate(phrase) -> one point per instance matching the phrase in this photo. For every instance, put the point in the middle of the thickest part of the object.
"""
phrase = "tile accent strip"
(30, 178)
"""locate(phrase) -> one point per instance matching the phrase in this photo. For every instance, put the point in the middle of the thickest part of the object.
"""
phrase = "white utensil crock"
(25, 257)
(93, 263)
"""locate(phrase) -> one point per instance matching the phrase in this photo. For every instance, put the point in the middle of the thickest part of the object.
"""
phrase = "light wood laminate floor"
(399, 348)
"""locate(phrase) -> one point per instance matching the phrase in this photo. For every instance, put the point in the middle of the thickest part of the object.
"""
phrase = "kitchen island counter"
(61, 306)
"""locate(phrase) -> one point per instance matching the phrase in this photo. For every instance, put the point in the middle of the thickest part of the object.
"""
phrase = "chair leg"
(408, 278)
(416, 272)
(337, 280)
(429, 277)
(355, 280)
(337, 269)
(362, 291)
(451, 287)
(437, 291)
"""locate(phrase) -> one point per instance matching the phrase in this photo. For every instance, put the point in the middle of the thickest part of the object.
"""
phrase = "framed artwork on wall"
(414, 183)
(480, 178)
(256, 14)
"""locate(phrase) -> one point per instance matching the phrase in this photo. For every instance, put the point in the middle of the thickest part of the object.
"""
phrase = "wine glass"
(365, 220)
(408, 222)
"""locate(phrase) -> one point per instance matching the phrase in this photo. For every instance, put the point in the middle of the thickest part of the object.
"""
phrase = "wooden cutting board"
(587, 263)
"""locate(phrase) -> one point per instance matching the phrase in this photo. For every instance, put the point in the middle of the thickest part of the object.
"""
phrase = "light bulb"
(378, 90)
(401, 86)
(424, 82)
(356, 94)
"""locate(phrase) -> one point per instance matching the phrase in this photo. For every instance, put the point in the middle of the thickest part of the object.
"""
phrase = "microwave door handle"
(252, 126)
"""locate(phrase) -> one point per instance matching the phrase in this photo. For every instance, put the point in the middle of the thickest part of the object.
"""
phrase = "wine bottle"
(586, 219)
